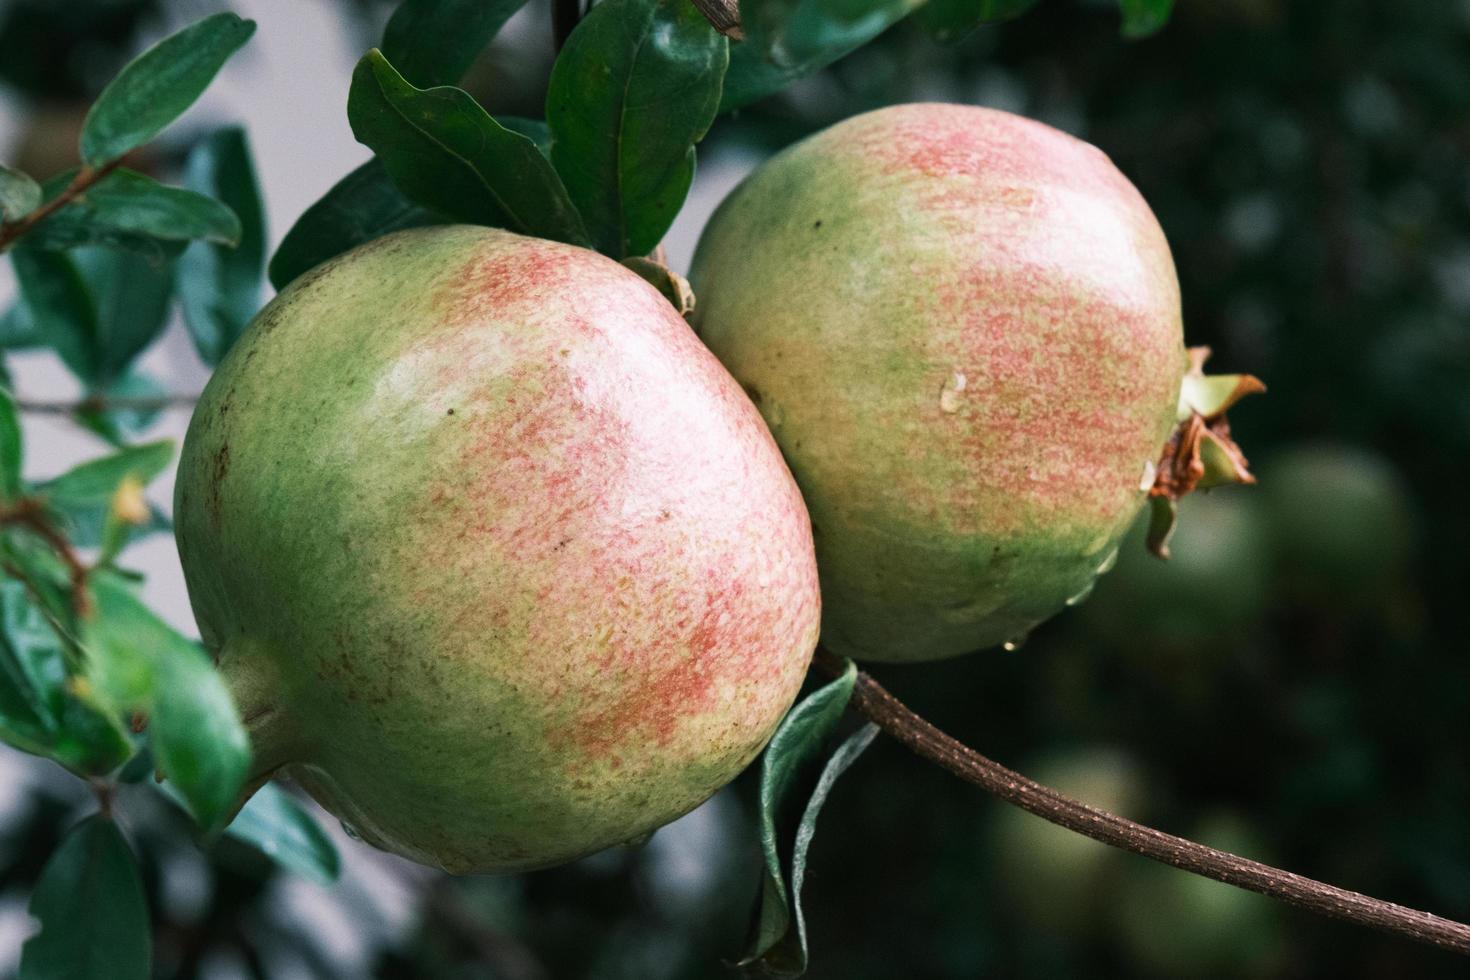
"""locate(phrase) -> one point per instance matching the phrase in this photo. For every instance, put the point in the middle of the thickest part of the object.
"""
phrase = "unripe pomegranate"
(500, 564)
(963, 328)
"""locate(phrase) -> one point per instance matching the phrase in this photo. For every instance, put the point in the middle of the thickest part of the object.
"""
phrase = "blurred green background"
(1294, 686)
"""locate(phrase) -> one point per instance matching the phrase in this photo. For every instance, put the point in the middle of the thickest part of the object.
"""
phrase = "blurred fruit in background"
(1058, 880)
(1340, 521)
(1176, 924)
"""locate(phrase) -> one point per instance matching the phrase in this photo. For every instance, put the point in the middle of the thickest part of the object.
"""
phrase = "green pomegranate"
(963, 328)
(500, 564)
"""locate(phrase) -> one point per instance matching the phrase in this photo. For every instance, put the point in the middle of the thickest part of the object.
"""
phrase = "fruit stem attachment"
(871, 700)
(255, 684)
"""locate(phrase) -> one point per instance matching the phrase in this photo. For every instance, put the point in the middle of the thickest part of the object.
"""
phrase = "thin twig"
(100, 404)
(873, 702)
(723, 15)
(29, 514)
(85, 178)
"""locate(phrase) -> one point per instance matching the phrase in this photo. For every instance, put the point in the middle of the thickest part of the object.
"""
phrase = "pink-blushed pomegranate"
(963, 328)
(500, 563)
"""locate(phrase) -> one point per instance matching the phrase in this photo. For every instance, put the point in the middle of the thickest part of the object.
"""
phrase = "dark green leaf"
(281, 828)
(761, 67)
(61, 306)
(219, 285)
(534, 130)
(797, 742)
(360, 207)
(635, 87)
(128, 210)
(93, 913)
(19, 194)
(140, 663)
(951, 20)
(11, 448)
(156, 87)
(1144, 17)
(434, 42)
(132, 297)
(446, 153)
(31, 669)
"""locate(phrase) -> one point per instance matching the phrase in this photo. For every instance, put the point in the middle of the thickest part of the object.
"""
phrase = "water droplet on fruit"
(1014, 643)
(350, 830)
(949, 395)
(1150, 473)
(1080, 597)
(1108, 562)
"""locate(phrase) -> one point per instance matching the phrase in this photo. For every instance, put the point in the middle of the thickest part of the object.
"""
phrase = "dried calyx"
(1200, 453)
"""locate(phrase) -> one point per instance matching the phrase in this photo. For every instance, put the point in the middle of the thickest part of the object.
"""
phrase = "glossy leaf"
(434, 42)
(534, 130)
(797, 742)
(219, 285)
(446, 153)
(813, 37)
(635, 87)
(11, 448)
(283, 830)
(18, 328)
(155, 88)
(128, 210)
(93, 913)
(140, 663)
(951, 20)
(19, 194)
(1144, 17)
(360, 207)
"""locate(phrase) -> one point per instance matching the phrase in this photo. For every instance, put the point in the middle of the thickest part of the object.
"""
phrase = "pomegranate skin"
(963, 328)
(500, 563)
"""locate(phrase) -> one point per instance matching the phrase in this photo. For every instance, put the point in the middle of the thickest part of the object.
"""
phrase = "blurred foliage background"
(1293, 686)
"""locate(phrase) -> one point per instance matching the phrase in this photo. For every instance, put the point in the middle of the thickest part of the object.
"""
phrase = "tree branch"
(27, 513)
(872, 701)
(85, 178)
(723, 15)
(97, 403)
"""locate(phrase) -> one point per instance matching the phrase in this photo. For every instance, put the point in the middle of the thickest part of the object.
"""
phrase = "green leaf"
(434, 42)
(128, 210)
(446, 153)
(797, 742)
(140, 663)
(534, 130)
(11, 448)
(84, 495)
(819, 33)
(156, 87)
(218, 285)
(951, 20)
(62, 307)
(18, 329)
(360, 207)
(1144, 17)
(635, 87)
(93, 913)
(98, 308)
(282, 829)
(19, 194)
